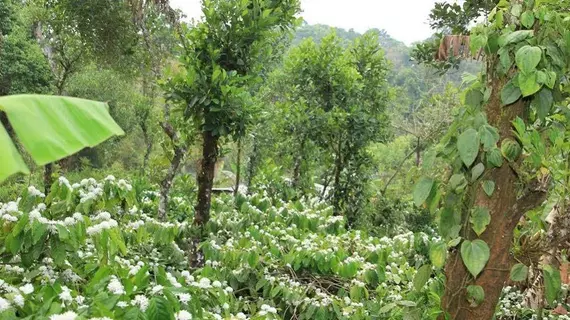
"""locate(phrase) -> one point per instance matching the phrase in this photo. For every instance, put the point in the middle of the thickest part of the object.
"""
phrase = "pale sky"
(405, 20)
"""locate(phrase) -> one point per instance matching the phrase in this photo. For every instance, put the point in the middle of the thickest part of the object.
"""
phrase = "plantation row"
(93, 250)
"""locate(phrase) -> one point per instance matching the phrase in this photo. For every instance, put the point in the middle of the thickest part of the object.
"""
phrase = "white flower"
(217, 284)
(69, 315)
(115, 286)
(183, 315)
(157, 289)
(241, 316)
(122, 304)
(140, 301)
(27, 289)
(65, 294)
(35, 192)
(18, 300)
(4, 304)
(184, 297)
(226, 306)
(80, 299)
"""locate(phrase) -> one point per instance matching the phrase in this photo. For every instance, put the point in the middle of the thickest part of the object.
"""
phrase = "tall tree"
(221, 57)
(493, 184)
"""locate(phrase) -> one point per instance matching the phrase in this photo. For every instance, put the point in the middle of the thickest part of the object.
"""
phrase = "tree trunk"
(205, 184)
(48, 180)
(206, 178)
(149, 145)
(505, 210)
(418, 153)
(298, 163)
(337, 171)
(238, 168)
(252, 164)
(166, 183)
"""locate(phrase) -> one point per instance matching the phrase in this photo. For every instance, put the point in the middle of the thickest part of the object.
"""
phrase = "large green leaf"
(449, 223)
(475, 295)
(528, 58)
(51, 128)
(552, 283)
(475, 255)
(480, 219)
(542, 103)
(468, 146)
(159, 309)
(11, 161)
(422, 190)
(510, 93)
(438, 254)
(519, 272)
(422, 276)
(528, 83)
(515, 37)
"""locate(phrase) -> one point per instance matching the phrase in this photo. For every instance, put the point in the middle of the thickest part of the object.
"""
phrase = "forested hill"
(396, 51)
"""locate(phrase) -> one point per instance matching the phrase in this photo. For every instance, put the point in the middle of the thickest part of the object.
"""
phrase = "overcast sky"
(405, 20)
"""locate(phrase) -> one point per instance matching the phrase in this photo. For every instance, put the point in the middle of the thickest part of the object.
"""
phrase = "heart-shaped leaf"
(475, 255)
(489, 187)
(475, 295)
(477, 171)
(422, 276)
(422, 190)
(438, 254)
(528, 58)
(519, 272)
(480, 219)
(510, 94)
(468, 146)
(552, 283)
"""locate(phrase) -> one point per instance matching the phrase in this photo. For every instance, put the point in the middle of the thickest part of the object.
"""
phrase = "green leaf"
(475, 255)
(510, 94)
(528, 58)
(516, 10)
(422, 276)
(528, 83)
(51, 128)
(515, 37)
(468, 146)
(422, 190)
(489, 137)
(458, 182)
(475, 295)
(489, 187)
(542, 103)
(387, 308)
(480, 219)
(505, 59)
(10, 159)
(495, 157)
(159, 309)
(519, 272)
(438, 254)
(449, 223)
(552, 283)
(474, 98)
(477, 171)
(527, 19)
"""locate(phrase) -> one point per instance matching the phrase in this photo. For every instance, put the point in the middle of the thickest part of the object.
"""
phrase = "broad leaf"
(515, 37)
(422, 276)
(519, 272)
(528, 83)
(422, 190)
(159, 309)
(528, 58)
(11, 161)
(51, 128)
(475, 295)
(494, 157)
(480, 219)
(489, 137)
(438, 254)
(542, 103)
(449, 223)
(477, 171)
(527, 19)
(458, 182)
(552, 283)
(468, 146)
(475, 255)
(510, 94)
(489, 187)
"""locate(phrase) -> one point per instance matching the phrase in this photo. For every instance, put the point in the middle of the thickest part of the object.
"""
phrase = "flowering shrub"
(92, 251)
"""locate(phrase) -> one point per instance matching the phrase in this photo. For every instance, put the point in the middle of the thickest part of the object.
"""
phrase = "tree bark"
(238, 167)
(206, 178)
(205, 185)
(166, 183)
(506, 210)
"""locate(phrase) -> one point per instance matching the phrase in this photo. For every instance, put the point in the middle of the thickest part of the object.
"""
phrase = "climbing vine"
(508, 127)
